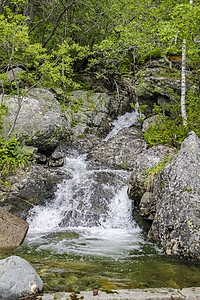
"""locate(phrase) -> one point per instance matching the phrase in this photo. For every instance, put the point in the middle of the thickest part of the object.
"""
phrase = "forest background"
(56, 42)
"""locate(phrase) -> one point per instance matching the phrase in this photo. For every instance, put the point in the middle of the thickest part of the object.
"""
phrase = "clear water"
(86, 237)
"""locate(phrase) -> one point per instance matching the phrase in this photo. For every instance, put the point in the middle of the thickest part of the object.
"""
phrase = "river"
(85, 237)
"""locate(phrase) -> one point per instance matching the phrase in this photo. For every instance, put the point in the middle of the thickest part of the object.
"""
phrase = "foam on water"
(91, 203)
(114, 232)
(121, 122)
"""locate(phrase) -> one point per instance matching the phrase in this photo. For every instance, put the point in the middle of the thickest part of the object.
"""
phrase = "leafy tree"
(182, 30)
(37, 66)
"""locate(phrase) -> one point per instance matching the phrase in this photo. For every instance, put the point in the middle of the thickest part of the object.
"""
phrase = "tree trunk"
(183, 82)
(183, 88)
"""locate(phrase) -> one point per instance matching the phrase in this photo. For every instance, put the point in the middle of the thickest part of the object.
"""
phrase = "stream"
(86, 236)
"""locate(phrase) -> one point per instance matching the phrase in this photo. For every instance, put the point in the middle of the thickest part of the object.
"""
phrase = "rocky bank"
(170, 199)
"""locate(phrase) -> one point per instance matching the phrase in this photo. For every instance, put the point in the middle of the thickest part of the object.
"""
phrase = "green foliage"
(169, 130)
(13, 156)
(193, 108)
(153, 54)
(76, 104)
(154, 171)
(166, 130)
(182, 23)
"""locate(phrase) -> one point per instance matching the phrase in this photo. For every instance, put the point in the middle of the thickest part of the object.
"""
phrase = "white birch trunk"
(183, 87)
(183, 81)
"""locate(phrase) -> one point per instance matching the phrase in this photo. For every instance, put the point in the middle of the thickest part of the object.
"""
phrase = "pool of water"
(86, 237)
(79, 259)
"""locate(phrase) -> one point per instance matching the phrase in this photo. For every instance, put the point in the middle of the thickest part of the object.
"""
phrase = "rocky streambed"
(80, 201)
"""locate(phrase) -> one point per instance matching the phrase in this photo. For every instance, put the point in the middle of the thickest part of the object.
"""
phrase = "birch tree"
(183, 81)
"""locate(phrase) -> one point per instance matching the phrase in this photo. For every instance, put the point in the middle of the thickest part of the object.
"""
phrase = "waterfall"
(94, 204)
(91, 202)
(89, 197)
(126, 120)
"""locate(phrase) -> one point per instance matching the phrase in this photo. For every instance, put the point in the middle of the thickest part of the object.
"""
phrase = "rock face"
(177, 194)
(140, 180)
(92, 113)
(121, 150)
(12, 230)
(154, 86)
(41, 122)
(30, 188)
(18, 278)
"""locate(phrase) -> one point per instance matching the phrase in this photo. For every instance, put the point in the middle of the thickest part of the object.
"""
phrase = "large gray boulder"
(40, 122)
(121, 150)
(18, 278)
(141, 181)
(31, 187)
(177, 194)
(12, 230)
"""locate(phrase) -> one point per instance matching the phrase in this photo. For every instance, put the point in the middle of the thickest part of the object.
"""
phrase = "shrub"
(13, 156)
(169, 130)
(153, 54)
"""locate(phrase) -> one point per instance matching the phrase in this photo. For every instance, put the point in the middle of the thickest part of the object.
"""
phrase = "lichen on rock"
(177, 194)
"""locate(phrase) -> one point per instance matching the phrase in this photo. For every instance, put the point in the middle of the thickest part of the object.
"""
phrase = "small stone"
(95, 292)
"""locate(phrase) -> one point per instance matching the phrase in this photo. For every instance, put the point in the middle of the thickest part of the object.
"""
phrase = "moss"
(153, 54)
(81, 136)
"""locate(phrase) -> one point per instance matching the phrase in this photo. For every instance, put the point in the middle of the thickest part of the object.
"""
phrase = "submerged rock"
(18, 278)
(12, 230)
(177, 194)
(119, 151)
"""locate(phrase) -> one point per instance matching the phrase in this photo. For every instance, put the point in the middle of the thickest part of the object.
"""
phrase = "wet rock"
(56, 159)
(92, 113)
(18, 278)
(85, 142)
(119, 151)
(40, 122)
(141, 181)
(29, 188)
(12, 230)
(147, 206)
(177, 192)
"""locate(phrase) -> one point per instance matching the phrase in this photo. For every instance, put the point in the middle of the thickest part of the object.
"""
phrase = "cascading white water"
(91, 202)
(85, 237)
(123, 121)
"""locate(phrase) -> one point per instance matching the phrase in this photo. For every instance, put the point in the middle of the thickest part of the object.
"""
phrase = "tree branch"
(57, 22)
